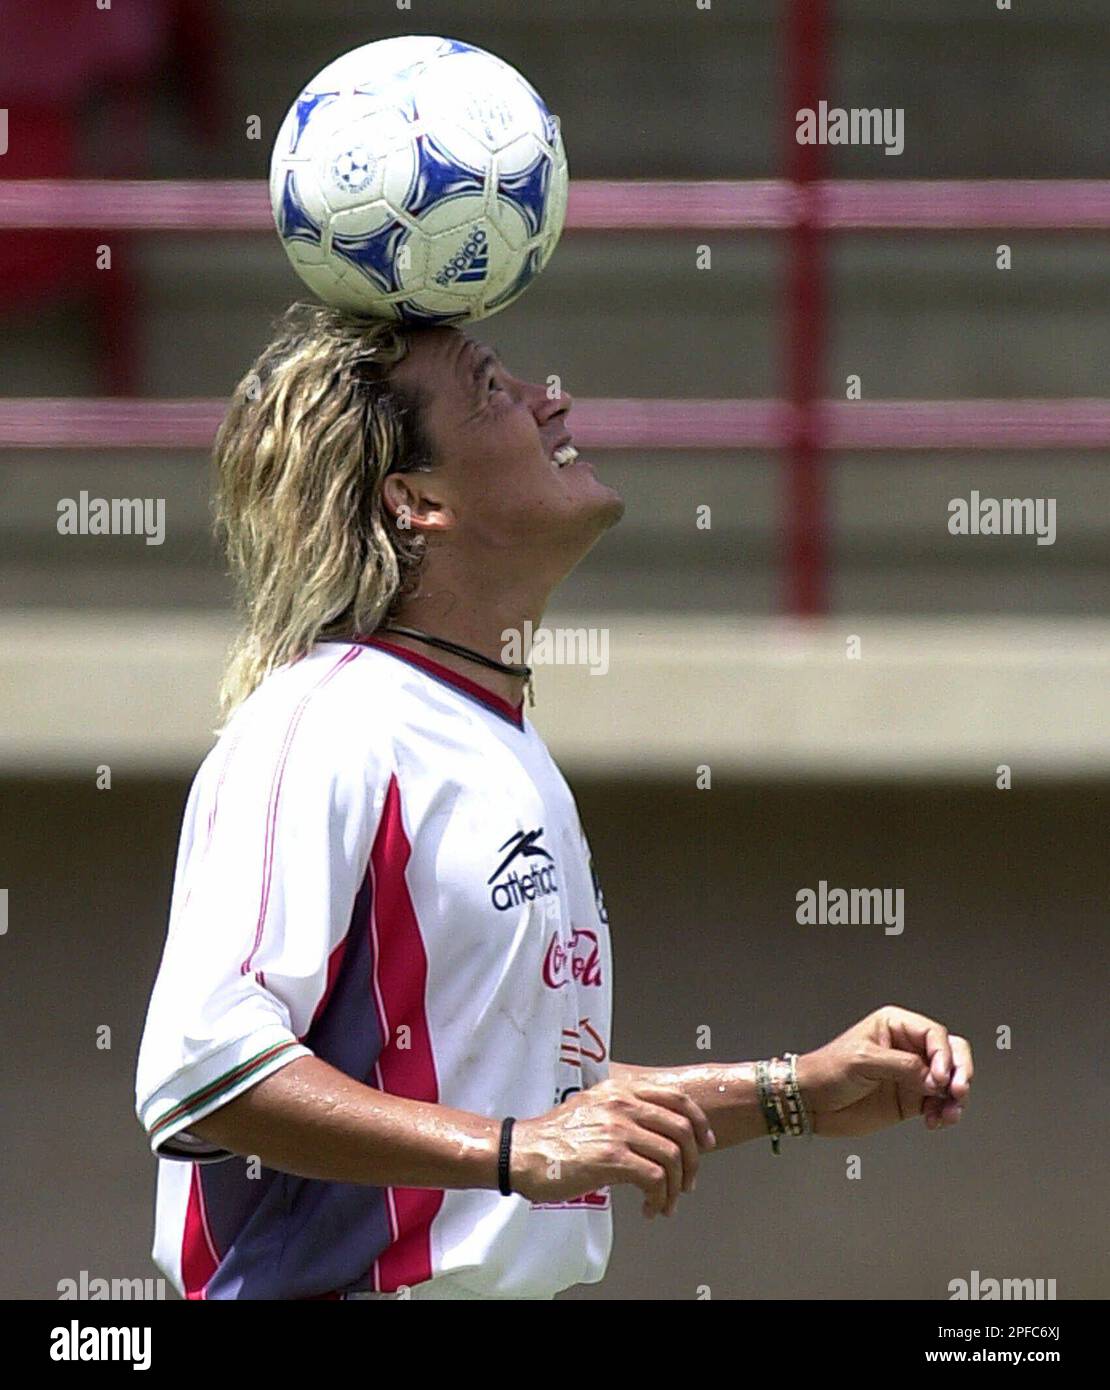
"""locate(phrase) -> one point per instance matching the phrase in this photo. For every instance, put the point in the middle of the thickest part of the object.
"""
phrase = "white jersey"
(380, 865)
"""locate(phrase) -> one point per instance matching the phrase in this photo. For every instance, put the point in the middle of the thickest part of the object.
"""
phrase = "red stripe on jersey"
(233, 743)
(199, 1260)
(513, 713)
(275, 796)
(400, 979)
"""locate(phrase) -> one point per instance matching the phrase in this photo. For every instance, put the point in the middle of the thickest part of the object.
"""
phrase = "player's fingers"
(678, 1101)
(667, 1155)
(676, 1127)
(928, 1037)
(963, 1069)
(942, 1113)
(950, 1107)
(649, 1177)
(939, 1051)
(907, 1070)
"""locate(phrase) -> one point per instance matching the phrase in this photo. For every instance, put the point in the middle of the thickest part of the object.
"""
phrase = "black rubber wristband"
(503, 1156)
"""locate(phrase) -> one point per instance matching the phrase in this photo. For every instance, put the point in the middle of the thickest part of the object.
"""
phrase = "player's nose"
(550, 401)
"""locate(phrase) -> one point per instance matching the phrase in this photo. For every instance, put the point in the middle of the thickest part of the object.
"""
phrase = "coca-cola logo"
(598, 1199)
(579, 961)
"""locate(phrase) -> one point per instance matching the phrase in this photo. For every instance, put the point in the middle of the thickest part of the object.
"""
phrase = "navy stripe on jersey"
(280, 1236)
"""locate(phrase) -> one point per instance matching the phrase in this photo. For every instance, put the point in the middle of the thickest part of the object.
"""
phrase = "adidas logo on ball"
(470, 263)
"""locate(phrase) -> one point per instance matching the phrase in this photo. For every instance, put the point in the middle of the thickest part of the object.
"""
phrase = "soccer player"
(377, 1056)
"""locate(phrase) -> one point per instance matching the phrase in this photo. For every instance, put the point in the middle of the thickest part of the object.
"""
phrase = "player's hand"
(891, 1066)
(622, 1131)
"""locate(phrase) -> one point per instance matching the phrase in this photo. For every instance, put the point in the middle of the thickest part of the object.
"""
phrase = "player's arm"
(890, 1066)
(316, 1122)
(725, 1091)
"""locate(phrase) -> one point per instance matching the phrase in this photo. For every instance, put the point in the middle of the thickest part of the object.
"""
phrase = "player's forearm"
(726, 1091)
(315, 1122)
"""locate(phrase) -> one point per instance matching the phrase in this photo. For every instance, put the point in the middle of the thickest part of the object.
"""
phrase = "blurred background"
(872, 700)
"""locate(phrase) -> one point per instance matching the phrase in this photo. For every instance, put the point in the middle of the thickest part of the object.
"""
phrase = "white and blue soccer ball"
(419, 179)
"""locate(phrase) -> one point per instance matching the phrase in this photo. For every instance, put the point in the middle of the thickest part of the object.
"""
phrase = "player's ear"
(413, 505)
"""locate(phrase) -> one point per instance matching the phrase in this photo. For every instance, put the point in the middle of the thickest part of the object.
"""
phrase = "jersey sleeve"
(275, 846)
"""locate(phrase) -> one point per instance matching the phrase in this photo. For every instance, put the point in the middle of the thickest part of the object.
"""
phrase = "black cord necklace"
(523, 673)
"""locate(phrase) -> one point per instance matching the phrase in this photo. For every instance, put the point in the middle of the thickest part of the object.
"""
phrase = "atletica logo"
(77, 1343)
(519, 888)
(470, 263)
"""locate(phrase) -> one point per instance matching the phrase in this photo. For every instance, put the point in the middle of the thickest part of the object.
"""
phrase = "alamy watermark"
(113, 516)
(855, 907)
(77, 1343)
(827, 125)
(986, 1289)
(93, 1288)
(557, 646)
(1006, 516)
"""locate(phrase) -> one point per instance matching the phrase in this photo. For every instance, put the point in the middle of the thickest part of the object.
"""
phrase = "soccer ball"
(419, 179)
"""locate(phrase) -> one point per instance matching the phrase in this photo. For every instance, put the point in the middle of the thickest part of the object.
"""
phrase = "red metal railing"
(803, 426)
(115, 423)
(649, 205)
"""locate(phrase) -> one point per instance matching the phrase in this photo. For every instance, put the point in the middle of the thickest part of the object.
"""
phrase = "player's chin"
(599, 509)
(602, 503)
(611, 509)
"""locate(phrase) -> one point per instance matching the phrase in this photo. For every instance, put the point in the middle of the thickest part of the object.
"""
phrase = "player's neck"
(498, 631)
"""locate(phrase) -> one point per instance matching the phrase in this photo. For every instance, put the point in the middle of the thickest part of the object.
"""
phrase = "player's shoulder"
(330, 710)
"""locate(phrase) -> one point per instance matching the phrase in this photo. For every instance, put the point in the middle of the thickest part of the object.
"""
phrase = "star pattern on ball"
(374, 254)
(293, 220)
(306, 104)
(439, 177)
(528, 271)
(527, 192)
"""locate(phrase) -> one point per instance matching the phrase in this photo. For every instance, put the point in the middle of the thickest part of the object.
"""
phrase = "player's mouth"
(564, 455)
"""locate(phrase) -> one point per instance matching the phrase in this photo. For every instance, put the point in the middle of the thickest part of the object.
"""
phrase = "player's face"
(500, 472)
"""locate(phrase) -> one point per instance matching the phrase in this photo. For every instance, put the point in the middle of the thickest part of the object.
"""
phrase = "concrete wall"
(1005, 897)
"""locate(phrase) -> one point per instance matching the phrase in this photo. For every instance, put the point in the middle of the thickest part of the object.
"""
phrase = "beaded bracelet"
(767, 1103)
(780, 1098)
(797, 1115)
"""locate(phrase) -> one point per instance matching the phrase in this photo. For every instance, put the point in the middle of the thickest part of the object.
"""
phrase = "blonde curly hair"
(312, 431)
